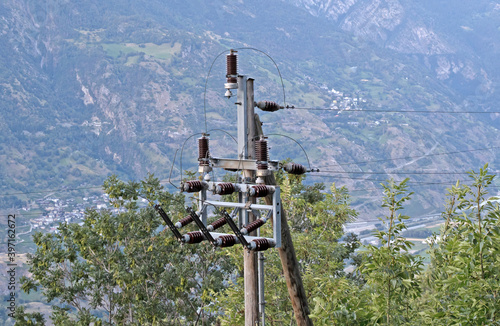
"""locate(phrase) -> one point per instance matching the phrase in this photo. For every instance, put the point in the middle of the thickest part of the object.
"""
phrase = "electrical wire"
(238, 49)
(182, 149)
(394, 111)
(384, 180)
(172, 168)
(224, 132)
(277, 68)
(417, 156)
(305, 153)
(399, 172)
(48, 191)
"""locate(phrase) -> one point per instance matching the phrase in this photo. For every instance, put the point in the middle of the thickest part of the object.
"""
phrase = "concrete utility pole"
(249, 127)
(249, 257)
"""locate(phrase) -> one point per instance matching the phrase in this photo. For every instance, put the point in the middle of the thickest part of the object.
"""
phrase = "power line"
(48, 191)
(396, 111)
(412, 183)
(384, 180)
(417, 156)
(402, 173)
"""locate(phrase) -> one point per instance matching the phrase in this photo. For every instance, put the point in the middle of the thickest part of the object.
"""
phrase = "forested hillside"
(90, 89)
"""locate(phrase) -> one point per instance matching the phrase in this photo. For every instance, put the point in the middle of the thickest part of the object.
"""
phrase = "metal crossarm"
(243, 190)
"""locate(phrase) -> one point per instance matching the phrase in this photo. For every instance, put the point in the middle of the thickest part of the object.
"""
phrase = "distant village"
(342, 101)
(57, 210)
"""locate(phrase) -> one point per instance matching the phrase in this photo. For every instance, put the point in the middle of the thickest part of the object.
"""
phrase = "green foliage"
(316, 219)
(462, 285)
(24, 318)
(119, 268)
(390, 270)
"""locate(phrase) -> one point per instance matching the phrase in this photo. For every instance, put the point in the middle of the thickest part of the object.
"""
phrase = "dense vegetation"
(122, 269)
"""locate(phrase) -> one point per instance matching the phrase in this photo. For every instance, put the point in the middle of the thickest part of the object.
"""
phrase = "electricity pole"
(256, 180)
(249, 127)
(246, 149)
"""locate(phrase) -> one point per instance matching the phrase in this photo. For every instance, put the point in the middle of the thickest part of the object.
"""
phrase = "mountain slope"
(93, 88)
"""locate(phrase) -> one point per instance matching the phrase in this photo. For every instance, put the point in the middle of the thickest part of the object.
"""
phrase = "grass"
(163, 51)
(132, 60)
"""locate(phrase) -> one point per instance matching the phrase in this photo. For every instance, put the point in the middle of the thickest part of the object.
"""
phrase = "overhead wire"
(238, 49)
(416, 156)
(394, 111)
(399, 172)
(305, 153)
(49, 191)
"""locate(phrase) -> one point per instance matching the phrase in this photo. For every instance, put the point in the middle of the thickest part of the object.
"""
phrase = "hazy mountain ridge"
(422, 28)
(116, 87)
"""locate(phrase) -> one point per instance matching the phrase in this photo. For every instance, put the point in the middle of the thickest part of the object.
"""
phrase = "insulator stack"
(232, 67)
(261, 244)
(227, 241)
(294, 168)
(184, 221)
(268, 106)
(225, 188)
(203, 151)
(217, 224)
(262, 156)
(252, 226)
(194, 237)
(259, 191)
(193, 186)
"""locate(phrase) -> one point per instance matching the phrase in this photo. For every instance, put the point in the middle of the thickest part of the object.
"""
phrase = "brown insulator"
(261, 244)
(253, 226)
(195, 237)
(260, 191)
(294, 168)
(261, 154)
(193, 186)
(224, 188)
(217, 224)
(227, 240)
(203, 151)
(268, 106)
(232, 67)
(184, 221)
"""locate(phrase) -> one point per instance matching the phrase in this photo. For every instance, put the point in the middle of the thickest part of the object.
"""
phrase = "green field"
(163, 51)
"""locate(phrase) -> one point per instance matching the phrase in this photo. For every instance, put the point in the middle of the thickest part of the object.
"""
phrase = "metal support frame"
(275, 208)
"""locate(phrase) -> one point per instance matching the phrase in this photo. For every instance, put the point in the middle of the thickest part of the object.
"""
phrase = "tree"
(121, 268)
(390, 270)
(462, 284)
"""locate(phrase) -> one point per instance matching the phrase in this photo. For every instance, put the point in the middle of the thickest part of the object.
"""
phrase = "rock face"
(374, 20)
(331, 9)
(443, 33)
(388, 22)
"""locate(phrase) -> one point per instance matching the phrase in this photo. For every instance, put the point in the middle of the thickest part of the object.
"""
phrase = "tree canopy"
(124, 267)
